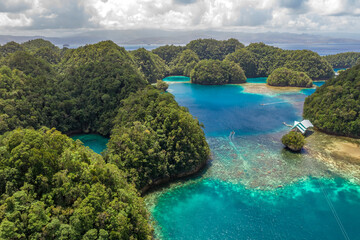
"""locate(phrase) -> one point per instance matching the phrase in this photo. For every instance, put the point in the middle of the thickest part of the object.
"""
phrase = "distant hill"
(153, 36)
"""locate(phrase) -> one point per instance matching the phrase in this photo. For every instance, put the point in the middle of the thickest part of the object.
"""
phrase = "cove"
(95, 142)
(227, 108)
(253, 187)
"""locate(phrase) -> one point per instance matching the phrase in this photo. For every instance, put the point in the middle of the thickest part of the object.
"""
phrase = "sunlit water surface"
(253, 187)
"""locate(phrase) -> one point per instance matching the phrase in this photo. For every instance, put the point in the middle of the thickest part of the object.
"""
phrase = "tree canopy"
(269, 58)
(150, 64)
(343, 60)
(335, 106)
(216, 72)
(247, 61)
(54, 188)
(214, 49)
(293, 140)
(184, 63)
(284, 77)
(168, 52)
(154, 138)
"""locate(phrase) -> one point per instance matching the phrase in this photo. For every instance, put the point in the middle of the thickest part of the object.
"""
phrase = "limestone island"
(284, 77)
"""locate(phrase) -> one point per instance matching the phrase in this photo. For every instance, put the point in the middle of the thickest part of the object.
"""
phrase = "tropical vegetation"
(335, 106)
(154, 138)
(343, 60)
(216, 72)
(53, 187)
(293, 140)
(284, 77)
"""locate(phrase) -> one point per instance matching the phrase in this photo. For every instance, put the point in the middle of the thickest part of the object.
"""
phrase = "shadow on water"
(253, 188)
(179, 181)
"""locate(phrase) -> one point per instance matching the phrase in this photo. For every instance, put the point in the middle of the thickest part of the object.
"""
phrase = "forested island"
(255, 60)
(65, 190)
(286, 77)
(335, 107)
(343, 60)
(62, 188)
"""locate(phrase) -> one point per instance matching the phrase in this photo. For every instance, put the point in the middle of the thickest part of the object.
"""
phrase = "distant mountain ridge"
(151, 36)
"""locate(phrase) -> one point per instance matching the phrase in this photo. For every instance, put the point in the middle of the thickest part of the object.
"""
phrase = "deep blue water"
(253, 188)
(95, 142)
(227, 108)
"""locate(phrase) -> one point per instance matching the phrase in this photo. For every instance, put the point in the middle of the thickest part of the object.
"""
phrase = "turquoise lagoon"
(95, 142)
(253, 188)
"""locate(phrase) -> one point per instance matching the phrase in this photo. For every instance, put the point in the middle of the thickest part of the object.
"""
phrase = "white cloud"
(272, 15)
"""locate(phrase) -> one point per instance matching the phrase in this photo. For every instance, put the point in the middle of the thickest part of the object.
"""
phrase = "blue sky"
(57, 17)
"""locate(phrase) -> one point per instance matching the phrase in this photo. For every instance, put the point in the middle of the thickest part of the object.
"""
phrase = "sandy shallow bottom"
(253, 188)
(263, 88)
(341, 154)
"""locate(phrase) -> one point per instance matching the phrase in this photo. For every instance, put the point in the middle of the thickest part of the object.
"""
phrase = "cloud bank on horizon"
(18, 16)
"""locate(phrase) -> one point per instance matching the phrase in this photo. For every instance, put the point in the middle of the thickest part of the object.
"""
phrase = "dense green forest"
(270, 58)
(154, 138)
(257, 59)
(284, 77)
(214, 49)
(151, 65)
(183, 63)
(216, 72)
(335, 106)
(343, 60)
(53, 187)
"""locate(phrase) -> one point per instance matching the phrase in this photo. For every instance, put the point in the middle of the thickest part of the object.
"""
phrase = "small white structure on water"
(302, 126)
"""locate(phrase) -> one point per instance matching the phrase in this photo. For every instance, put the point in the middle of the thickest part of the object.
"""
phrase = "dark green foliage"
(214, 49)
(83, 97)
(9, 48)
(28, 64)
(284, 77)
(343, 60)
(52, 56)
(293, 140)
(247, 61)
(161, 85)
(168, 52)
(184, 63)
(154, 138)
(54, 188)
(150, 64)
(95, 78)
(33, 45)
(335, 106)
(216, 72)
(269, 58)
(15, 108)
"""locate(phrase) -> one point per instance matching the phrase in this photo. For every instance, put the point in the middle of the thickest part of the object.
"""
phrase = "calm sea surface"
(253, 188)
